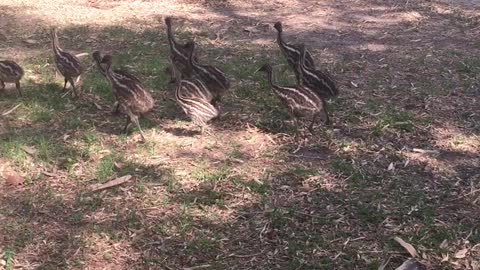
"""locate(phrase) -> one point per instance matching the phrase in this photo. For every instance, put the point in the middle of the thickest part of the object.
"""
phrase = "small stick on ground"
(109, 184)
(11, 110)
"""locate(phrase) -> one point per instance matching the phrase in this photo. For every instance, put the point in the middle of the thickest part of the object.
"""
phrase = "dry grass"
(400, 160)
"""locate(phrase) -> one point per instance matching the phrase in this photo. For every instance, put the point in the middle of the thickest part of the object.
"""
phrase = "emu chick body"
(10, 72)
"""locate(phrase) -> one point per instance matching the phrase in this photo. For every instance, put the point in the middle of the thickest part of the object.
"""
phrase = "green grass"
(400, 121)
(105, 169)
(11, 149)
(8, 256)
(204, 174)
(202, 208)
(261, 188)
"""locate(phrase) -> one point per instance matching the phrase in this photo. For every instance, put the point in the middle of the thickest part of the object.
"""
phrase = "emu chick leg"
(65, 84)
(17, 84)
(72, 83)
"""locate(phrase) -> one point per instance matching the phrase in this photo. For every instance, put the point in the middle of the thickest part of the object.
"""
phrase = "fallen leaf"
(445, 257)
(461, 253)
(391, 167)
(444, 244)
(28, 149)
(98, 106)
(406, 246)
(12, 178)
(411, 265)
(118, 165)
(30, 41)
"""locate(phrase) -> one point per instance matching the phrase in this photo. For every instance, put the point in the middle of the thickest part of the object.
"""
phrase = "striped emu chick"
(97, 57)
(213, 78)
(10, 72)
(292, 51)
(300, 101)
(195, 101)
(315, 79)
(179, 52)
(68, 64)
(134, 100)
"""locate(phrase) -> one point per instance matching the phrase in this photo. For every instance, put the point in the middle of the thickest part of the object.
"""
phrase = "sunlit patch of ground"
(401, 158)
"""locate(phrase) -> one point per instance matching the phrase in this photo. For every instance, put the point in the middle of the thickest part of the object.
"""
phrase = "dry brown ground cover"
(401, 160)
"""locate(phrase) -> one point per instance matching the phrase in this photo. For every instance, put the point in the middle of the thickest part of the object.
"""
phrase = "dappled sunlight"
(101, 248)
(400, 159)
(453, 139)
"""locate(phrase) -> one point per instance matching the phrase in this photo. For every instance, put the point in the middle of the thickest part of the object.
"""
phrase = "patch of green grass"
(46, 149)
(347, 169)
(73, 122)
(85, 202)
(11, 149)
(99, 85)
(204, 174)
(401, 121)
(106, 167)
(39, 113)
(303, 172)
(433, 236)
(261, 188)
(185, 220)
(89, 137)
(369, 214)
(278, 218)
(344, 167)
(8, 256)
(173, 184)
(203, 244)
(235, 153)
(209, 197)
(133, 220)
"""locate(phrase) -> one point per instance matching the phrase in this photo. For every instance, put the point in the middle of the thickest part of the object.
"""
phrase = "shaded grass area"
(239, 198)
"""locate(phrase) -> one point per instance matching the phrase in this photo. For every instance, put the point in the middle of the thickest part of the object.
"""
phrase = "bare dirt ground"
(401, 160)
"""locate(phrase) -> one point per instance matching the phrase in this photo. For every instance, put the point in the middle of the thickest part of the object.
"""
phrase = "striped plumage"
(132, 97)
(315, 79)
(292, 51)
(10, 72)
(190, 95)
(300, 101)
(213, 78)
(68, 64)
(97, 56)
(179, 52)
(196, 88)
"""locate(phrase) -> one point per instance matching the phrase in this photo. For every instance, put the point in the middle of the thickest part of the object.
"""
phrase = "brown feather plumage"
(10, 72)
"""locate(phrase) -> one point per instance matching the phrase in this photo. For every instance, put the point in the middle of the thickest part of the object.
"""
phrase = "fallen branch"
(109, 184)
(425, 151)
(11, 110)
(407, 246)
(197, 267)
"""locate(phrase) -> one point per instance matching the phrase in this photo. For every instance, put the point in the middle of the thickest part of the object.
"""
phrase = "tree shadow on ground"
(339, 209)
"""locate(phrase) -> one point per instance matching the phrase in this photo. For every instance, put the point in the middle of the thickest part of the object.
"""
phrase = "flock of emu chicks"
(198, 88)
